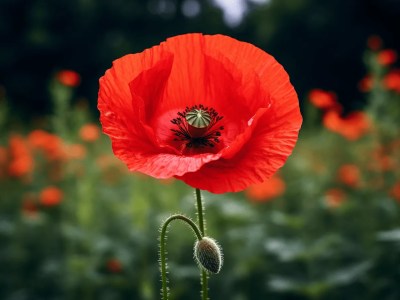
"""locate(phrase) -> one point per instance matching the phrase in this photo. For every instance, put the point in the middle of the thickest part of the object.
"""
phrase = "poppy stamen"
(195, 127)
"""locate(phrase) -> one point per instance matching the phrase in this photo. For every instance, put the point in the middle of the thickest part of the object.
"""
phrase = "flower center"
(196, 127)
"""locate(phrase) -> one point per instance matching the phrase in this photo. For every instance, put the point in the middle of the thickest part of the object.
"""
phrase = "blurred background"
(75, 224)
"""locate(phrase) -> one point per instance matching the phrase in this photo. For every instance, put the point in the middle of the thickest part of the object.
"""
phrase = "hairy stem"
(200, 219)
(163, 259)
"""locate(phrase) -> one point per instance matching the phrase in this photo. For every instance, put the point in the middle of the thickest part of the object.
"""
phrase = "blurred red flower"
(89, 133)
(366, 84)
(391, 81)
(75, 151)
(334, 197)
(50, 196)
(387, 57)
(49, 144)
(382, 158)
(69, 78)
(29, 205)
(349, 174)
(267, 190)
(215, 112)
(114, 265)
(395, 191)
(324, 99)
(374, 42)
(21, 160)
(352, 127)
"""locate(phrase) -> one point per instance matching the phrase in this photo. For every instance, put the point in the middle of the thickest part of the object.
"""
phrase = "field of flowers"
(76, 224)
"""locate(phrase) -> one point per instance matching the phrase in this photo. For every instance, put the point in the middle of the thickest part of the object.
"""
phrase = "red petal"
(259, 158)
(259, 154)
(203, 73)
(123, 97)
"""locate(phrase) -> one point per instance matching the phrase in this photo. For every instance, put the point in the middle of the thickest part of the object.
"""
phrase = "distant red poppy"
(89, 132)
(324, 99)
(366, 84)
(29, 205)
(352, 127)
(69, 78)
(387, 57)
(374, 42)
(395, 191)
(334, 197)
(21, 160)
(349, 174)
(267, 190)
(49, 144)
(382, 159)
(114, 265)
(391, 81)
(3, 155)
(75, 151)
(215, 112)
(50, 196)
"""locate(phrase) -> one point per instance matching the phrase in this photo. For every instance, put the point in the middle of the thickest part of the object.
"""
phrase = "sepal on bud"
(208, 255)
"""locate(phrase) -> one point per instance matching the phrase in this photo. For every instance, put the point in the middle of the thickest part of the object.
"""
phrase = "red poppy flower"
(374, 42)
(324, 99)
(50, 144)
(50, 196)
(352, 127)
(21, 160)
(392, 80)
(69, 78)
(395, 191)
(75, 151)
(114, 265)
(349, 174)
(267, 190)
(217, 113)
(387, 57)
(382, 158)
(366, 84)
(89, 133)
(334, 197)
(29, 205)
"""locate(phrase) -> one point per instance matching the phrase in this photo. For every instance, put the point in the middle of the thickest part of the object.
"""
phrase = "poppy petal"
(259, 155)
(258, 159)
(132, 138)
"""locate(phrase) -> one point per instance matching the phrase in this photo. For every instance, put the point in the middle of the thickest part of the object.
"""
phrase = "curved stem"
(163, 264)
(200, 218)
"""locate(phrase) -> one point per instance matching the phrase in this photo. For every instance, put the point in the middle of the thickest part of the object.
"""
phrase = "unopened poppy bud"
(208, 254)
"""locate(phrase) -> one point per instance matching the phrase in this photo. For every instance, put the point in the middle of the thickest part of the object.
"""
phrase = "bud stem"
(200, 220)
(163, 259)
(199, 234)
(200, 212)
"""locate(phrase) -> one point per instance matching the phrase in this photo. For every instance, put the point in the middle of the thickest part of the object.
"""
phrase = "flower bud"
(208, 254)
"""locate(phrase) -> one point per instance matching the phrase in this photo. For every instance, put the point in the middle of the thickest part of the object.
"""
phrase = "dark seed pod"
(208, 255)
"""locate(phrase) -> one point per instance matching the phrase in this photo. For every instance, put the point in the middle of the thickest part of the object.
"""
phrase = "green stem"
(200, 219)
(200, 212)
(163, 259)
